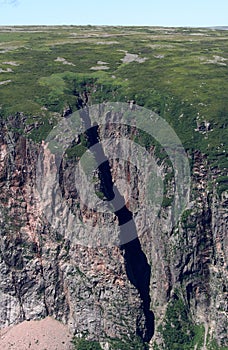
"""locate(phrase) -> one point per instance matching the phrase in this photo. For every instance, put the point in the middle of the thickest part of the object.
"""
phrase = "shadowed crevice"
(137, 268)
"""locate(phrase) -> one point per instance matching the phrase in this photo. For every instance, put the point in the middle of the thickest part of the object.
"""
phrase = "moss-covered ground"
(180, 73)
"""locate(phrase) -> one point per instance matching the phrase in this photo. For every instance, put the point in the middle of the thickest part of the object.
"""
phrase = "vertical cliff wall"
(43, 273)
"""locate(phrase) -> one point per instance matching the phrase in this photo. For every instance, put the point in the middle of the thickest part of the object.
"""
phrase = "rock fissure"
(137, 268)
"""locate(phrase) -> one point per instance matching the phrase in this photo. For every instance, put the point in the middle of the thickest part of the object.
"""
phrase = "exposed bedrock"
(109, 291)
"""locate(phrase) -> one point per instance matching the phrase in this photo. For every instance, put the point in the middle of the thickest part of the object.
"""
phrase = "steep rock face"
(43, 273)
(192, 257)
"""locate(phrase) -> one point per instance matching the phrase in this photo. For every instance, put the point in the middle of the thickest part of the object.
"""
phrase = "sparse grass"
(176, 81)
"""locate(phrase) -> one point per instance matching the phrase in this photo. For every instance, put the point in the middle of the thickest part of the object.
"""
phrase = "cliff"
(45, 273)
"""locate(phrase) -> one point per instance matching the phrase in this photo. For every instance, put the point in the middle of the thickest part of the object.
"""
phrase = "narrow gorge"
(137, 268)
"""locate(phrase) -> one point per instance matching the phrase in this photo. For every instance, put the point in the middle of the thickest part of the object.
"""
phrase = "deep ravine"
(137, 268)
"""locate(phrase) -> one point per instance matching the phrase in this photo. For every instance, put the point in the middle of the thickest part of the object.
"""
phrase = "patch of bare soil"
(46, 334)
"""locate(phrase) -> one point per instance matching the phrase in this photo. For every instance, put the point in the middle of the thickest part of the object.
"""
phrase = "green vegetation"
(83, 344)
(178, 329)
(125, 344)
(188, 220)
(199, 333)
(100, 194)
(222, 184)
(182, 77)
(114, 344)
(77, 149)
(39, 134)
(167, 202)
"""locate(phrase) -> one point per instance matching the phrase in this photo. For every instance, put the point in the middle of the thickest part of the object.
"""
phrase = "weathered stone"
(43, 273)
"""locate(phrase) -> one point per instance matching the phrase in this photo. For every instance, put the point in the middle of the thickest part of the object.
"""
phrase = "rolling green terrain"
(179, 73)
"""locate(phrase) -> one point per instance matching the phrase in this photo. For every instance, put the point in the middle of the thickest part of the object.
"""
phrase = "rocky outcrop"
(43, 273)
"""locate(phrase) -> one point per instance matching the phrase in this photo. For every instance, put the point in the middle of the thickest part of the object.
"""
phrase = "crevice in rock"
(137, 268)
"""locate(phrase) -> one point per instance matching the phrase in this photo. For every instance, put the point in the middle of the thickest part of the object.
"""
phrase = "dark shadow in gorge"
(137, 268)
